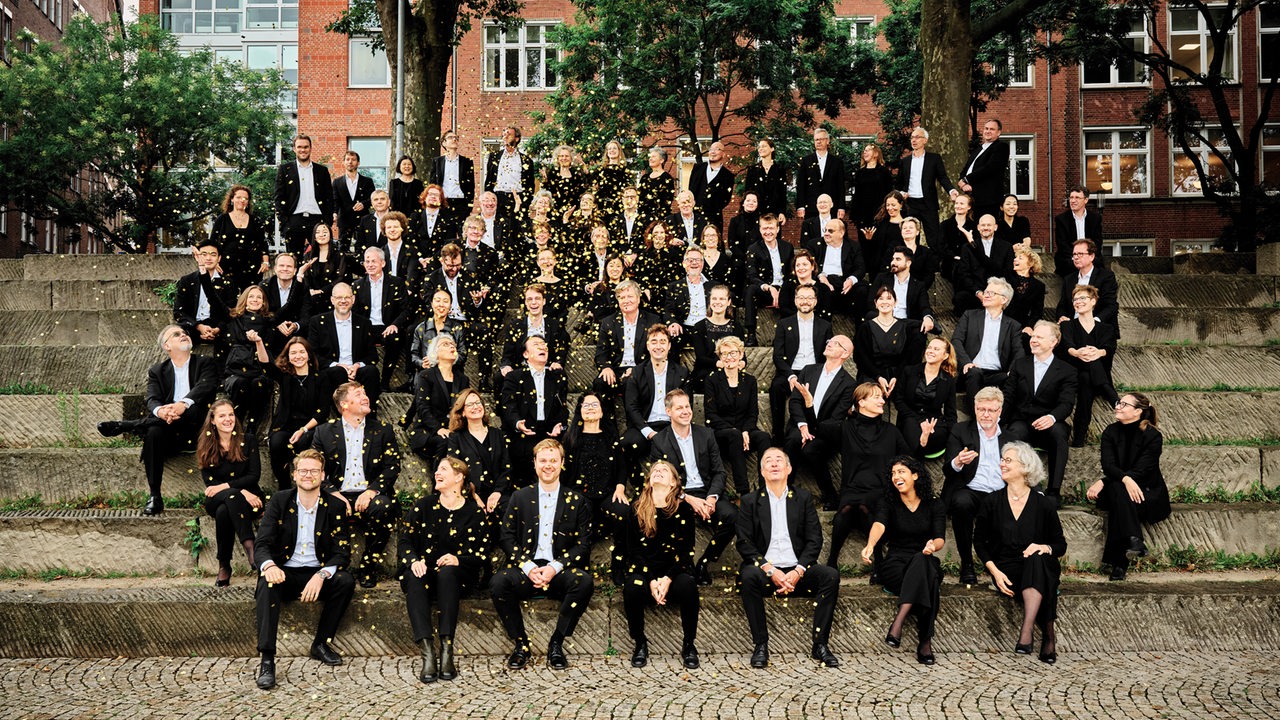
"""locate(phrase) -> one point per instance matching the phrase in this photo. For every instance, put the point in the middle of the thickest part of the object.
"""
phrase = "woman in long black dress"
(405, 188)
(957, 232)
(483, 449)
(733, 410)
(230, 468)
(1089, 344)
(657, 187)
(912, 524)
(871, 182)
(1027, 305)
(925, 400)
(303, 404)
(564, 181)
(744, 228)
(1018, 537)
(879, 240)
(323, 266)
(867, 445)
(1011, 227)
(242, 239)
(884, 345)
(434, 392)
(1132, 489)
(719, 323)
(768, 180)
(443, 550)
(660, 537)
(596, 467)
(246, 384)
(611, 177)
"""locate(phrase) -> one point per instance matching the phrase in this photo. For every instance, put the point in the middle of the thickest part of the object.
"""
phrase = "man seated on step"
(301, 551)
(344, 344)
(195, 306)
(179, 390)
(362, 462)
(621, 343)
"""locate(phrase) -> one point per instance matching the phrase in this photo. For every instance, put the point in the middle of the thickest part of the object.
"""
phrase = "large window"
(227, 16)
(1269, 40)
(6, 35)
(1185, 179)
(519, 59)
(1271, 155)
(366, 67)
(1191, 46)
(1117, 161)
(1124, 71)
(374, 158)
(277, 55)
(1022, 165)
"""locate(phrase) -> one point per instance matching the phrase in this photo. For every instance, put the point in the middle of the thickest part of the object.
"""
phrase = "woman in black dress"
(1089, 344)
(557, 291)
(871, 182)
(733, 410)
(443, 550)
(246, 384)
(230, 468)
(242, 239)
(439, 323)
(660, 537)
(1011, 227)
(925, 400)
(879, 241)
(884, 345)
(434, 392)
(1018, 537)
(323, 266)
(924, 264)
(1132, 489)
(611, 177)
(596, 467)
(659, 265)
(483, 449)
(768, 180)
(744, 228)
(803, 274)
(657, 187)
(912, 524)
(577, 223)
(564, 181)
(601, 302)
(1027, 305)
(719, 323)
(957, 232)
(867, 445)
(405, 188)
(304, 403)
(719, 265)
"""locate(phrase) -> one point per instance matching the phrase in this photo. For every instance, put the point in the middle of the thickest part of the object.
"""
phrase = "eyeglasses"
(1081, 254)
(1123, 404)
(473, 404)
(307, 472)
(591, 405)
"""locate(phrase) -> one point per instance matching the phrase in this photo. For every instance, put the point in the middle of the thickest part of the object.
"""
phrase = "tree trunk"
(946, 45)
(428, 51)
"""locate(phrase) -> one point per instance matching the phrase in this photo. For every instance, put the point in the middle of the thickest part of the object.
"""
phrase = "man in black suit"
(385, 300)
(1084, 256)
(686, 223)
(786, 562)
(344, 344)
(912, 294)
(840, 266)
(815, 222)
(821, 395)
(767, 262)
(301, 552)
(1041, 391)
(456, 174)
(435, 225)
(533, 322)
(797, 344)
(987, 341)
(986, 173)
(546, 537)
(403, 258)
(820, 173)
(1077, 222)
(362, 463)
(711, 183)
(509, 174)
(694, 452)
(288, 297)
(644, 394)
(304, 196)
(535, 406)
(621, 343)
(919, 175)
(972, 471)
(202, 299)
(685, 301)
(369, 229)
(179, 390)
(626, 228)
(498, 231)
(464, 290)
(986, 257)
(352, 196)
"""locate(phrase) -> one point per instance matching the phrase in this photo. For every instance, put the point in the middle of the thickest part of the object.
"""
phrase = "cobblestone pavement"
(1113, 685)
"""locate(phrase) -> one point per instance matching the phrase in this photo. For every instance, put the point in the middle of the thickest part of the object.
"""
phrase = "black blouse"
(242, 248)
(867, 446)
(906, 532)
(565, 191)
(1128, 450)
(917, 400)
(769, 186)
(656, 194)
(669, 552)
(881, 353)
(431, 531)
(241, 475)
(404, 195)
(595, 464)
(732, 408)
(1001, 538)
(1075, 336)
(1013, 233)
(1027, 305)
(302, 398)
(488, 459)
(870, 187)
(610, 180)
(433, 397)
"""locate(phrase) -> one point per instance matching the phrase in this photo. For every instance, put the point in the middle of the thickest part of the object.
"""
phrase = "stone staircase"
(77, 335)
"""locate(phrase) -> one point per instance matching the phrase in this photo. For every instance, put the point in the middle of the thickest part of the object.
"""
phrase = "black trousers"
(335, 594)
(779, 395)
(251, 397)
(753, 298)
(1056, 441)
(853, 513)
(393, 350)
(915, 578)
(282, 453)
(730, 442)
(635, 446)
(723, 525)
(911, 433)
(376, 521)
(917, 207)
(683, 592)
(1125, 518)
(161, 440)
(1092, 381)
(511, 587)
(520, 449)
(446, 584)
(963, 505)
(813, 457)
(819, 580)
(233, 518)
(297, 229)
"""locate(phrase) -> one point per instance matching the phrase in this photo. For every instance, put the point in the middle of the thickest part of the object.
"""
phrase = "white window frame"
(1115, 153)
(549, 51)
(686, 161)
(1029, 159)
(1114, 69)
(859, 26)
(1115, 247)
(376, 168)
(4, 220)
(1231, 68)
(1269, 132)
(361, 46)
(289, 99)
(1205, 157)
(1178, 246)
(1266, 32)
(1029, 66)
(6, 36)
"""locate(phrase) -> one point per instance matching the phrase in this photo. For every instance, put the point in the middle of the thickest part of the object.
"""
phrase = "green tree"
(149, 124)
(629, 69)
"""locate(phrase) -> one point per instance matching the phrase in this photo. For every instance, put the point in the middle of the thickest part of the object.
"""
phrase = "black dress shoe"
(154, 506)
(760, 657)
(689, 656)
(519, 657)
(640, 657)
(1136, 549)
(448, 668)
(1021, 649)
(823, 654)
(827, 505)
(968, 576)
(892, 641)
(704, 576)
(555, 656)
(429, 664)
(875, 578)
(925, 658)
(1118, 573)
(325, 654)
(112, 428)
(267, 673)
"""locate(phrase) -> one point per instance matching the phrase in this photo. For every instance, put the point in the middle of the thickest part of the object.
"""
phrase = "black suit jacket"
(934, 174)
(349, 218)
(288, 191)
(976, 266)
(609, 344)
(786, 342)
(676, 300)
(1055, 396)
(408, 265)
(368, 234)
(520, 400)
(570, 531)
(321, 332)
(186, 298)
(1108, 308)
(730, 410)
(202, 376)
(760, 267)
(675, 224)
(852, 263)
(466, 285)
(755, 526)
(811, 230)
(433, 396)
(278, 531)
(835, 404)
(527, 174)
(430, 240)
(965, 436)
(638, 390)
(380, 457)
(810, 183)
(298, 307)
(516, 332)
(1065, 237)
(619, 241)
(397, 305)
(711, 197)
(466, 180)
(967, 339)
(710, 466)
(918, 306)
(989, 174)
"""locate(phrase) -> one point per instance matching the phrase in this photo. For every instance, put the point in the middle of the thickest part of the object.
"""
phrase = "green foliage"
(166, 292)
(194, 539)
(69, 416)
(60, 573)
(1218, 494)
(30, 502)
(151, 121)
(25, 388)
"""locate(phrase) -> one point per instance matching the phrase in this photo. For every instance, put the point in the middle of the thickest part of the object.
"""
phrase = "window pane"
(258, 17)
(1133, 174)
(289, 17)
(533, 34)
(1097, 140)
(1022, 179)
(204, 22)
(227, 4)
(491, 63)
(226, 22)
(1022, 146)
(1134, 139)
(511, 73)
(260, 57)
(1097, 73)
(533, 67)
(492, 35)
(367, 67)
(1270, 15)
(1184, 19)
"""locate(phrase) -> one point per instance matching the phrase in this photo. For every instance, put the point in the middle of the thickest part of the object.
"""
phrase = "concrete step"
(153, 618)
(107, 267)
(18, 294)
(67, 369)
(67, 420)
(80, 328)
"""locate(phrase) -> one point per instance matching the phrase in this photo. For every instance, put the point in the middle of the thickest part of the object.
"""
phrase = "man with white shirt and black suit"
(686, 223)
(815, 221)
(626, 228)
(386, 301)
(821, 395)
(986, 173)
(767, 262)
(535, 407)
(621, 346)
(362, 463)
(1084, 256)
(984, 257)
(199, 312)
(301, 552)
(456, 175)
(1075, 223)
(685, 301)
(694, 452)
(287, 297)
(546, 537)
(344, 344)
(498, 233)
(304, 196)
(644, 395)
(465, 291)
(369, 232)
(534, 321)
(352, 196)
(912, 294)
(919, 175)
(840, 266)
(1041, 391)
(434, 225)
(711, 183)
(509, 174)
(820, 173)
(987, 341)
(403, 257)
(797, 344)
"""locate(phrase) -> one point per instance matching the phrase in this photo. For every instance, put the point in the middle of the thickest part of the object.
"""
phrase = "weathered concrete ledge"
(107, 267)
(65, 369)
(69, 419)
(61, 328)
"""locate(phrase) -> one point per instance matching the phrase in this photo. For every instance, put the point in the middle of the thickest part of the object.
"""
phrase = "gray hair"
(433, 347)
(989, 393)
(164, 335)
(1003, 287)
(1031, 462)
(374, 248)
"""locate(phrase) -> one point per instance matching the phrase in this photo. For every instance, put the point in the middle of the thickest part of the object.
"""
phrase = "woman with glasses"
(1089, 344)
(1132, 489)
(733, 410)
(483, 449)
(434, 392)
(596, 467)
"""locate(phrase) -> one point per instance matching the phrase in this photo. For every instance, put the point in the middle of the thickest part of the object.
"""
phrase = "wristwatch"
(323, 573)
(769, 573)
